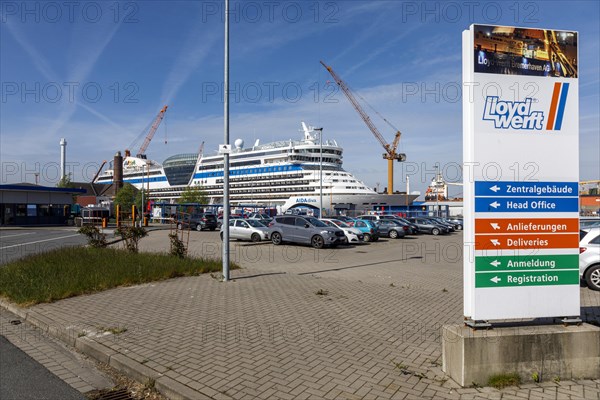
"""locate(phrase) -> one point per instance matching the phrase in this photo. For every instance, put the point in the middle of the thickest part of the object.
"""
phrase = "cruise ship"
(281, 174)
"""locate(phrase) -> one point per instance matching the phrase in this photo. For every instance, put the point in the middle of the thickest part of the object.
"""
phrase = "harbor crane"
(390, 149)
(154, 126)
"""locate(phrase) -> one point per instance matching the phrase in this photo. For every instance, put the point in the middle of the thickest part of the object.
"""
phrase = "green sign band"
(529, 263)
(534, 278)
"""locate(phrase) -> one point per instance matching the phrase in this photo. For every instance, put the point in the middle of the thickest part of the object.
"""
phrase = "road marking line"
(18, 234)
(38, 241)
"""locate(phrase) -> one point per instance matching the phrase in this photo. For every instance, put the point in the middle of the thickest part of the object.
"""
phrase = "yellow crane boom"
(390, 149)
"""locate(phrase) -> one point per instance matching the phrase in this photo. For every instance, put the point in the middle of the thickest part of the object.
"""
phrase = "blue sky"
(98, 72)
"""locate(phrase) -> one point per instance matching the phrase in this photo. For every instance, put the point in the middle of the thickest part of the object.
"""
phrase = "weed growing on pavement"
(95, 238)
(72, 271)
(322, 292)
(177, 248)
(500, 381)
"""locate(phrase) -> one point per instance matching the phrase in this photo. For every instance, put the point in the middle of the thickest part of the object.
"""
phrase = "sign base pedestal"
(546, 352)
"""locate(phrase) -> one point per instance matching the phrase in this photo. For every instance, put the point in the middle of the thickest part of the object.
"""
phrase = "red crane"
(390, 149)
(155, 124)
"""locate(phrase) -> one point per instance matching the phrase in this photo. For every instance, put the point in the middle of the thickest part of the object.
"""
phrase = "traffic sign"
(526, 225)
(537, 278)
(528, 189)
(521, 173)
(526, 241)
(526, 262)
(523, 204)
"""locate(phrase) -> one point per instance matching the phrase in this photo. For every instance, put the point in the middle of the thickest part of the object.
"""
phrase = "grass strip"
(73, 271)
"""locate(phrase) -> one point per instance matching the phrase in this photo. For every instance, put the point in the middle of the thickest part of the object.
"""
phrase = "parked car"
(373, 218)
(368, 228)
(391, 228)
(428, 226)
(344, 218)
(198, 222)
(458, 223)
(589, 258)
(413, 229)
(441, 221)
(264, 218)
(305, 230)
(587, 223)
(231, 217)
(249, 229)
(354, 235)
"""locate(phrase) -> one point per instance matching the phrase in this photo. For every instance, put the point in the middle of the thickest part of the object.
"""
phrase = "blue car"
(368, 228)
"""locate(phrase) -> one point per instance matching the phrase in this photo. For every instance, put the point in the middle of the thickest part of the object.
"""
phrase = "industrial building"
(27, 204)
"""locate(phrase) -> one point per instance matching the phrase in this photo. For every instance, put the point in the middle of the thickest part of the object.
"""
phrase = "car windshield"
(254, 223)
(316, 222)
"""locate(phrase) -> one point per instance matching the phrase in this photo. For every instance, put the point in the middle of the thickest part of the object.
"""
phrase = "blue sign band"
(520, 204)
(526, 189)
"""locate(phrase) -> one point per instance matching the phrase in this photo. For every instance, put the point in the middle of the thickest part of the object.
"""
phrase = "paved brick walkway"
(69, 366)
(299, 324)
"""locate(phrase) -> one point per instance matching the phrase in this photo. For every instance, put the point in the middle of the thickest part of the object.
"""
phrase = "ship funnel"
(118, 172)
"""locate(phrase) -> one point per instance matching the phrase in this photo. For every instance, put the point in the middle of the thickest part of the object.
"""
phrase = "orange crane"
(390, 149)
(142, 151)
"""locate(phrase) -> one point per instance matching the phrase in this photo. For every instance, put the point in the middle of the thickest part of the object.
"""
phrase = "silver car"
(305, 230)
(247, 229)
(589, 257)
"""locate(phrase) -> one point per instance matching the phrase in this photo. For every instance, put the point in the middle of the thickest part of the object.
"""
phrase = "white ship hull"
(279, 174)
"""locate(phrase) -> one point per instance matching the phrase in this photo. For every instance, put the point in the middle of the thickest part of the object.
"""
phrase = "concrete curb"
(165, 385)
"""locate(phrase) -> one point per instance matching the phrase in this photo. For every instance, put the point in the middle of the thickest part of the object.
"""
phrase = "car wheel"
(221, 235)
(435, 231)
(212, 229)
(367, 237)
(255, 237)
(198, 227)
(459, 227)
(592, 277)
(317, 242)
(393, 234)
(276, 238)
(179, 226)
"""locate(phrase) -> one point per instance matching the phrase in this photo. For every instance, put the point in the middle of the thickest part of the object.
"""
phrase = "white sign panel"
(521, 172)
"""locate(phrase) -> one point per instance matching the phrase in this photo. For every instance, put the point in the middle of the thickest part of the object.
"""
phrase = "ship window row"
(275, 190)
(318, 151)
(142, 174)
(262, 170)
(316, 159)
(264, 177)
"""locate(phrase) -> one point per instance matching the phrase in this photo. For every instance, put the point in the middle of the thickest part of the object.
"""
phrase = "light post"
(320, 171)
(225, 253)
(437, 195)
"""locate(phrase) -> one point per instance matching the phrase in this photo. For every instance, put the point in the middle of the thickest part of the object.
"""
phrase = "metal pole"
(437, 195)
(320, 172)
(226, 155)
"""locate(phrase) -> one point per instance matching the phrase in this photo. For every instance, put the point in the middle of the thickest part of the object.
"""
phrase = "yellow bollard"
(146, 221)
(104, 223)
(118, 208)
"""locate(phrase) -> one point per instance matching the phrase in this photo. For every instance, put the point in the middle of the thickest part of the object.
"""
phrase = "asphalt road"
(23, 378)
(18, 243)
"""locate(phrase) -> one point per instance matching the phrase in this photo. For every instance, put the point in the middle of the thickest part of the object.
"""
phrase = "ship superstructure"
(273, 174)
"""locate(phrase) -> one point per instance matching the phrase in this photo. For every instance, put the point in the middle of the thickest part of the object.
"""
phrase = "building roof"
(28, 187)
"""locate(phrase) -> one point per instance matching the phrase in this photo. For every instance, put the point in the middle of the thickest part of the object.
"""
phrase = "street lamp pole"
(320, 171)
(226, 155)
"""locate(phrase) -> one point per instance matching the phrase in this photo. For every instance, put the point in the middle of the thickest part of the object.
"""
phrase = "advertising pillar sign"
(521, 172)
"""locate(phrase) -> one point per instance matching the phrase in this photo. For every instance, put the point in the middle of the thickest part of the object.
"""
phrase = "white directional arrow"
(495, 188)
(495, 204)
(495, 279)
(495, 225)
(495, 263)
(495, 242)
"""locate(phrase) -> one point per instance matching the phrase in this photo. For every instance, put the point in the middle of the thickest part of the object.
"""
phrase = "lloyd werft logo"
(519, 115)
